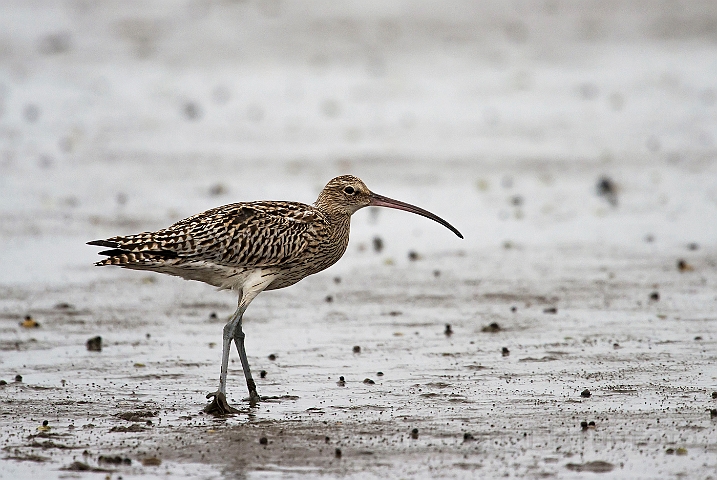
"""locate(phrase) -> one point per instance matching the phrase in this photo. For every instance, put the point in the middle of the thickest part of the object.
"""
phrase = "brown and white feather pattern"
(225, 244)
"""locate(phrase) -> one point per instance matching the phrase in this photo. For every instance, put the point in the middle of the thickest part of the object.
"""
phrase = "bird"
(250, 247)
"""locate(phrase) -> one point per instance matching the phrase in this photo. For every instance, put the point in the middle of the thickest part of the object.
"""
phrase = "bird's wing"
(252, 234)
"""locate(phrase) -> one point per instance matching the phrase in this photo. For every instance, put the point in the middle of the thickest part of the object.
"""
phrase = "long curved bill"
(381, 201)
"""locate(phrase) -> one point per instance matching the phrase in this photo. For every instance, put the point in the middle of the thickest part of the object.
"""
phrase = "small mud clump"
(595, 467)
(78, 467)
(272, 357)
(368, 381)
(585, 393)
(94, 344)
(683, 266)
(504, 351)
(262, 374)
(467, 437)
(606, 188)
(448, 331)
(337, 453)
(137, 415)
(341, 382)
(587, 425)
(414, 433)
(357, 349)
(714, 394)
(655, 296)
(377, 244)
(413, 256)
(380, 374)
(551, 310)
(115, 460)
(492, 328)
(713, 413)
(151, 462)
(263, 441)
(18, 378)
(329, 299)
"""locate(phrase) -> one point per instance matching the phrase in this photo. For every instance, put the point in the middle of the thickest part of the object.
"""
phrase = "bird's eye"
(349, 190)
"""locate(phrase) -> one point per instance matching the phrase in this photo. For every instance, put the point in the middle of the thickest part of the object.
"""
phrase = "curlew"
(250, 247)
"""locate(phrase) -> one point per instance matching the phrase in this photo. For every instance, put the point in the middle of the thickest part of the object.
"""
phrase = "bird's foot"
(254, 398)
(219, 405)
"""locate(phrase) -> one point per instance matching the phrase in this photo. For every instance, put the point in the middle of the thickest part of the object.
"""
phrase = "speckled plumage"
(251, 247)
(220, 245)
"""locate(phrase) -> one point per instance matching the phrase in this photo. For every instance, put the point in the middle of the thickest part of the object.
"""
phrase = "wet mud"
(571, 334)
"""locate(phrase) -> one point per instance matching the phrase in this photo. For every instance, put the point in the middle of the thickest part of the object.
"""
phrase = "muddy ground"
(571, 334)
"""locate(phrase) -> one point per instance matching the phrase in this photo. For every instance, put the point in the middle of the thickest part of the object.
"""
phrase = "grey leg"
(219, 404)
(239, 341)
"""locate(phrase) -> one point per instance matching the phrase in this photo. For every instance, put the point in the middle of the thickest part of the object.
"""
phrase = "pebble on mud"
(436, 273)
(714, 394)
(213, 316)
(377, 244)
(585, 393)
(368, 381)
(263, 441)
(272, 357)
(713, 413)
(513, 309)
(94, 344)
(504, 351)
(357, 349)
(414, 433)
(683, 266)
(448, 331)
(655, 296)
(337, 280)
(329, 299)
(693, 246)
(151, 462)
(380, 374)
(492, 328)
(3, 382)
(413, 256)
(29, 322)
(262, 374)
(18, 378)
(467, 437)
(552, 310)
(606, 188)
(337, 453)
(341, 382)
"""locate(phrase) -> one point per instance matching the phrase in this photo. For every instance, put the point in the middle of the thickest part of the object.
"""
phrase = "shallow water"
(505, 136)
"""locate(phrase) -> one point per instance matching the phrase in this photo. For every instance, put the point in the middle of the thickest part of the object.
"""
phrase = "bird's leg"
(239, 341)
(219, 404)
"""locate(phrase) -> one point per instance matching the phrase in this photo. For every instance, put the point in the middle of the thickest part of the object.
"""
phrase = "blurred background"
(523, 123)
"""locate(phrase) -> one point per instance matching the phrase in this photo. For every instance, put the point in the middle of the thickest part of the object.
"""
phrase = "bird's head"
(346, 194)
